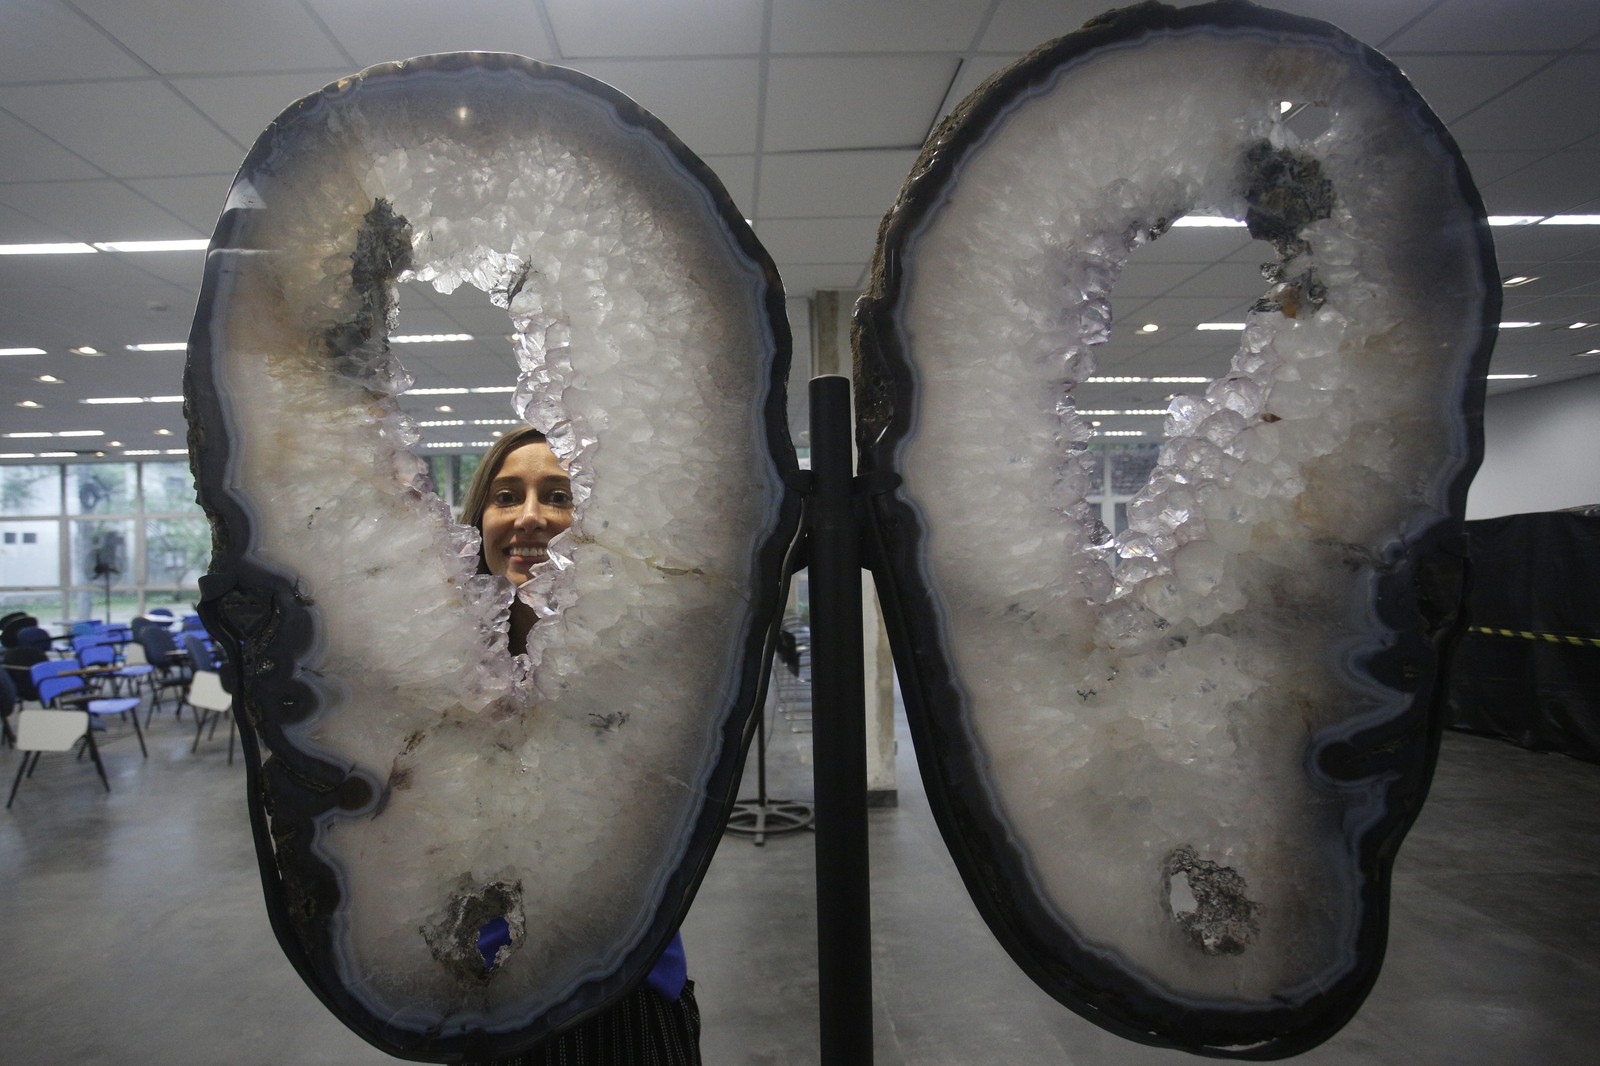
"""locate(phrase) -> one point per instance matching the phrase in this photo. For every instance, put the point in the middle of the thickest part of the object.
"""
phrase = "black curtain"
(1535, 678)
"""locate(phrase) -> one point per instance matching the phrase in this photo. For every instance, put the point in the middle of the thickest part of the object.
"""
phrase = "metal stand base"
(756, 818)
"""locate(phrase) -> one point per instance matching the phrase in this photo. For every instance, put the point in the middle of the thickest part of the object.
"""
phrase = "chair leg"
(100, 767)
(233, 727)
(139, 733)
(16, 784)
(199, 728)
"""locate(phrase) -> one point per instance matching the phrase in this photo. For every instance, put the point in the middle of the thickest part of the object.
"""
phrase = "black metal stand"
(839, 740)
(762, 815)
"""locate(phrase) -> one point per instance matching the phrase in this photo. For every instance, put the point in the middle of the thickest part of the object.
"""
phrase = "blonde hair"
(477, 495)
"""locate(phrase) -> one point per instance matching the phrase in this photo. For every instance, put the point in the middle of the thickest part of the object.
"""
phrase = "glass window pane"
(30, 489)
(1131, 466)
(169, 487)
(176, 551)
(100, 488)
(43, 605)
(92, 603)
(100, 548)
(30, 552)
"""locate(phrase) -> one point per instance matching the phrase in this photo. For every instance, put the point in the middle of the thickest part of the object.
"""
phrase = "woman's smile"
(530, 502)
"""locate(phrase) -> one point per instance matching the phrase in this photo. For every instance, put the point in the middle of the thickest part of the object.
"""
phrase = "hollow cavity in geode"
(1089, 706)
(465, 852)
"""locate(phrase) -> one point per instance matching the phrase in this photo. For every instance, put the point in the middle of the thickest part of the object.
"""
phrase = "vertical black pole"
(839, 737)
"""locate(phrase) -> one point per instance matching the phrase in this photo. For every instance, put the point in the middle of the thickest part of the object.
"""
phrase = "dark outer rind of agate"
(266, 627)
(1420, 598)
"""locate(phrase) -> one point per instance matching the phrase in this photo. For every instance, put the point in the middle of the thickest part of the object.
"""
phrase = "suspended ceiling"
(126, 120)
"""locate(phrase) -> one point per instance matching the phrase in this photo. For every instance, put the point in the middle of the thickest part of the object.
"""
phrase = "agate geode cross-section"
(412, 785)
(1174, 764)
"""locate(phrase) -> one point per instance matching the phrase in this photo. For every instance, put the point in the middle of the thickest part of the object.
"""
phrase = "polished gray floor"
(133, 930)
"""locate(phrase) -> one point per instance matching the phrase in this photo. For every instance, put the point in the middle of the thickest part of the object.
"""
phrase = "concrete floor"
(134, 931)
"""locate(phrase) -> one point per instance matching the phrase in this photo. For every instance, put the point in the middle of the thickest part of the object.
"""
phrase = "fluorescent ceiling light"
(82, 433)
(196, 244)
(1097, 380)
(1580, 325)
(1119, 433)
(1233, 326)
(29, 403)
(112, 399)
(164, 346)
(1518, 325)
(58, 455)
(142, 451)
(435, 423)
(1513, 220)
(496, 422)
(175, 451)
(19, 455)
(1511, 377)
(1571, 220)
(48, 379)
(494, 388)
(1207, 222)
(22, 351)
(436, 392)
(164, 399)
(20, 436)
(73, 248)
(86, 350)
(429, 338)
(1518, 279)
(444, 444)
(1591, 351)
(1180, 381)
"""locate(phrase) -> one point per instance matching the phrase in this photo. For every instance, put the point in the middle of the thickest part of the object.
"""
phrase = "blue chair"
(61, 686)
(169, 672)
(192, 624)
(33, 637)
(42, 730)
(12, 624)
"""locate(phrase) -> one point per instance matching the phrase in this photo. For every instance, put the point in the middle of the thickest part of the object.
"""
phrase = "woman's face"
(530, 501)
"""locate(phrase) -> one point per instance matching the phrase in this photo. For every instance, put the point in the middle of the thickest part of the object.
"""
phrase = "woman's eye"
(504, 498)
(560, 498)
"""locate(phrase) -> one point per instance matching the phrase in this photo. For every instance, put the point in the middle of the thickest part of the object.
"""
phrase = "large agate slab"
(413, 785)
(1175, 765)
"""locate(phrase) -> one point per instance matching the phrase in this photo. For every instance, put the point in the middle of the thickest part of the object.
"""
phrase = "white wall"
(1541, 450)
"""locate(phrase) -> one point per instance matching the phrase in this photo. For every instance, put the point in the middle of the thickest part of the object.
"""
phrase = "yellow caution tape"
(1551, 638)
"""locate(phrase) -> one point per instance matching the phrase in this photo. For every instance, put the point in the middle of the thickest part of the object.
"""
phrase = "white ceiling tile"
(831, 184)
(802, 280)
(817, 102)
(197, 200)
(206, 37)
(95, 211)
(1551, 110)
(246, 104)
(882, 26)
(1538, 243)
(31, 156)
(128, 129)
(1194, 245)
(1558, 183)
(1455, 85)
(738, 176)
(1239, 280)
(418, 27)
(17, 228)
(43, 40)
(1366, 21)
(683, 27)
(1023, 25)
(711, 104)
(1498, 26)
(819, 240)
(1145, 278)
(1488, 167)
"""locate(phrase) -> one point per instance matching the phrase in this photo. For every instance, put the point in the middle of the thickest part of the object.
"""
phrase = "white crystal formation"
(560, 786)
(1146, 708)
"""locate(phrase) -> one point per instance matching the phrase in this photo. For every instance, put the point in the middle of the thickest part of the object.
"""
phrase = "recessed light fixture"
(1207, 222)
(163, 432)
(1095, 423)
(29, 403)
(71, 248)
(48, 379)
(1518, 279)
(1285, 106)
(1149, 327)
(1580, 325)
(444, 408)
(22, 351)
(1591, 351)
(163, 346)
(86, 350)
(113, 444)
(195, 244)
